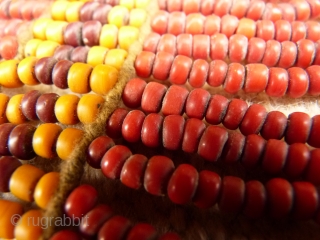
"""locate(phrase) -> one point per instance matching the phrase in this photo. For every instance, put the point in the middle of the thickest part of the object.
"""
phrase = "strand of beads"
(293, 10)
(154, 97)
(237, 48)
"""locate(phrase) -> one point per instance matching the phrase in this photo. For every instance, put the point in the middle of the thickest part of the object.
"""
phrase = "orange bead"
(14, 113)
(46, 188)
(30, 225)
(4, 99)
(89, 107)
(8, 74)
(78, 77)
(45, 138)
(96, 55)
(67, 141)
(103, 78)
(9, 215)
(24, 180)
(247, 27)
(26, 71)
(65, 109)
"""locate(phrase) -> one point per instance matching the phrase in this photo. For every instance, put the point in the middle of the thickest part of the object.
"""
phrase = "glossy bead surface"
(45, 107)
(233, 147)
(275, 156)
(274, 125)
(132, 125)
(66, 235)
(14, 112)
(298, 127)
(162, 65)
(152, 97)
(298, 82)
(174, 100)
(278, 82)
(216, 110)
(180, 69)
(193, 131)
(89, 107)
(114, 123)
(60, 73)
(43, 69)
(256, 79)
(252, 151)
(115, 228)
(29, 226)
(142, 231)
(132, 93)
(67, 141)
(7, 166)
(172, 132)
(235, 78)
(28, 105)
(255, 199)
(151, 130)
(5, 130)
(65, 109)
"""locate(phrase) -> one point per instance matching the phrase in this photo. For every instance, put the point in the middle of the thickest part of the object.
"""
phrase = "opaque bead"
(7, 210)
(235, 78)
(196, 103)
(207, 7)
(8, 74)
(256, 78)
(7, 166)
(229, 24)
(151, 130)
(152, 97)
(39, 28)
(288, 12)
(235, 113)
(265, 29)
(45, 107)
(306, 53)
(78, 77)
(142, 231)
(72, 12)
(313, 30)
(80, 201)
(103, 78)
(313, 139)
(252, 151)
(127, 36)
(72, 34)
(288, 55)
(232, 195)
(115, 58)
(115, 228)
(280, 197)
(253, 119)
(132, 126)
(238, 47)
(162, 65)
(113, 160)
(65, 109)
(199, 73)
(26, 71)
(174, 100)
(114, 123)
(13, 112)
(298, 127)
(256, 50)
(28, 103)
(201, 46)
(314, 78)
(233, 147)
(96, 55)
(159, 22)
(144, 63)
(44, 69)
(272, 54)
(180, 69)
(217, 73)
(9, 47)
(222, 7)
(282, 30)
(219, 46)
(4, 99)
(137, 17)
(66, 235)
(132, 93)
(302, 8)
(5, 130)
(133, 170)
(157, 174)
(46, 188)
(298, 82)
(278, 82)
(118, 16)
(255, 199)
(58, 10)
(30, 225)
(54, 31)
(150, 44)
(167, 43)
(299, 31)
(176, 23)
(275, 156)
(91, 32)
(174, 5)
(246, 27)
(60, 73)
(23, 181)
(193, 131)
(108, 36)
(212, 25)
(194, 23)
(101, 13)
(66, 142)
(216, 110)
(312, 173)
(172, 131)
(297, 160)
(184, 44)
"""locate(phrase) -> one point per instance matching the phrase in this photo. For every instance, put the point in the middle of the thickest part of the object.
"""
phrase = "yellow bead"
(45, 138)
(103, 78)
(8, 74)
(13, 112)
(4, 99)
(26, 71)
(137, 17)
(89, 107)
(73, 11)
(118, 16)
(46, 49)
(108, 36)
(31, 225)
(67, 141)
(58, 10)
(31, 47)
(141, 3)
(127, 36)
(46, 188)
(39, 28)
(96, 55)
(54, 31)
(127, 3)
(9, 215)
(116, 58)
(65, 109)
(78, 77)
(24, 180)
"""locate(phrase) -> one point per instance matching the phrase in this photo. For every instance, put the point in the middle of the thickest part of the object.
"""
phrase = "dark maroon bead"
(5, 130)
(7, 166)
(87, 9)
(79, 54)
(91, 33)
(114, 123)
(60, 73)
(97, 149)
(66, 235)
(63, 52)
(45, 107)
(115, 228)
(72, 34)
(43, 69)
(100, 14)
(28, 105)
(20, 141)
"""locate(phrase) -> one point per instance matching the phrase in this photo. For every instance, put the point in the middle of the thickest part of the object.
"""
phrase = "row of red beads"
(184, 184)
(237, 48)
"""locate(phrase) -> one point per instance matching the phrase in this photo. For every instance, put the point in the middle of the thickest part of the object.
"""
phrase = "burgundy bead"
(28, 104)
(79, 54)
(60, 73)
(233, 147)
(313, 139)
(66, 235)
(217, 109)
(114, 123)
(142, 231)
(132, 92)
(63, 52)
(91, 33)
(255, 199)
(169, 236)
(97, 148)
(115, 228)
(275, 156)
(100, 14)
(20, 141)
(252, 151)
(73, 34)
(87, 10)
(5, 130)
(297, 160)
(193, 131)
(45, 107)
(174, 100)
(172, 132)
(253, 119)
(151, 130)
(235, 112)
(312, 172)
(197, 102)
(7, 166)
(132, 126)
(43, 69)
(152, 97)
(274, 125)
(298, 128)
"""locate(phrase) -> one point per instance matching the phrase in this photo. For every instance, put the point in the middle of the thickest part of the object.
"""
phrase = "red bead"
(167, 43)
(5, 130)
(312, 172)
(180, 69)
(193, 130)
(150, 44)
(229, 24)
(314, 80)
(8, 47)
(195, 23)
(174, 100)
(190, 6)
(159, 22)
(169, 236)
(176, 23)
(157, 175)
(172, 132)
(313, 30)
(280, 197)
(201, 46)
(252, 151)
(255, 199)
(151, 130)
(133, 170)
(272, 12)
(114, 123)
(199, 73)
(97, 148)
(142, 231)
(315, 8)
(272, 53)
(239, 8)
(233, 147)
(28, 105)
(302, 9)
(306, 53)
(288, 55)
(274, 125)
(298, 128)
(183, 184)
(197, 103)
(253, 119)
(66, 235)
(219, 46)
(222, 7)
(265, 29)
(235, 78)
(115, 228)
(278, 82)
(45, 107)
(81, 200)
(238, 47)
(162, 65)
(297, 160)
(299, 31)
(207, 7)
(232, 195)
(283, 30)
(113, 160)
(217, 109)
(298, 82)
(256, 78)
(212, 143)
(255, 10)
(174, 5)
(132, 126)
(256, 50)
(212, 25)
(132, 92)
(235, 112)
(217, 73)
(184, 44)
(144, 63)
(7, 166)
(152, 97)
(313, 139)
(275, 156)
(94, 219)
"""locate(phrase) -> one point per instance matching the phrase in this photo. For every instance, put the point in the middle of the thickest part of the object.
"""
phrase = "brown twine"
(73, 169)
